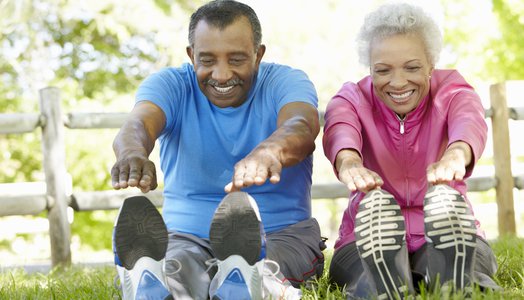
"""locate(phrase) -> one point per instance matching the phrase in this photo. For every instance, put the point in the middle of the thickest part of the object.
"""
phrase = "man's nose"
(222, 73)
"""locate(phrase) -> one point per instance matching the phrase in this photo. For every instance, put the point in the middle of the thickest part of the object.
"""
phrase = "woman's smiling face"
(401, 71)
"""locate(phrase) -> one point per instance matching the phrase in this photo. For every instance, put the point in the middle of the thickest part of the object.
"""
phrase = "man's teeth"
(223, 89)
(401, 96)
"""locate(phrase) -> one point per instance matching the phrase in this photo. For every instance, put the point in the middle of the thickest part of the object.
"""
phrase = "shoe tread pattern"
(380, 232)
(139, 231)
(235, 229)
(450, 226)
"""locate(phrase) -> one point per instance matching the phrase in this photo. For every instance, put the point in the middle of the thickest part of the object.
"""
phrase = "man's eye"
(236, 61)
(206, 62)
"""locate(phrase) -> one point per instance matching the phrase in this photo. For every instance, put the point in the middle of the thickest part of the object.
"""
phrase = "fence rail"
(55, 200)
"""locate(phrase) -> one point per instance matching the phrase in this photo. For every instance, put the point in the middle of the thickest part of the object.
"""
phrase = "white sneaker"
(275, 287)
(139, 244)
(238, 241)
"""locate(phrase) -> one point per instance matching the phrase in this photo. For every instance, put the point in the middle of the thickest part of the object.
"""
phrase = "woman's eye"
(381, 71)
(413, 68)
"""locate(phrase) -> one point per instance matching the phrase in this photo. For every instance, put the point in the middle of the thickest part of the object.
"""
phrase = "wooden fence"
(55, 200)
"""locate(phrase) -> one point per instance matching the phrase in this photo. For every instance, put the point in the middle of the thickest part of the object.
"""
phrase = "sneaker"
(140, 244)
(451, 235)
(237, 238)
(380, 238)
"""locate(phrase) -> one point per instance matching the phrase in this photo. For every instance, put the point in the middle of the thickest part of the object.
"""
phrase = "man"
(228, 124)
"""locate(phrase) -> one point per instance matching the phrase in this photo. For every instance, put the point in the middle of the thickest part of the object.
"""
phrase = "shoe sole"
(380, 232)
(139, 231)
(450, 225)
(235, 229)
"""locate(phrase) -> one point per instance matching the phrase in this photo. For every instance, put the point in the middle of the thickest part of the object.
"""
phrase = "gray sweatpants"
(347, 268)
(297, 249)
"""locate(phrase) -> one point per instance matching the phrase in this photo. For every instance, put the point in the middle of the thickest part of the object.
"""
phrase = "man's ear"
(260, 53)
(189, 51)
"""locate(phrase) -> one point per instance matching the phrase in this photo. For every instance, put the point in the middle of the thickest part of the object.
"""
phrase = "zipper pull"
(401, 120)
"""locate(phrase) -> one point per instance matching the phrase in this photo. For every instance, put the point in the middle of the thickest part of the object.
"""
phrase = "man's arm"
(294, 140)
(132, 146)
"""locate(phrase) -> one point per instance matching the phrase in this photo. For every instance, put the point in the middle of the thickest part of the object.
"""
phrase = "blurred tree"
(96, 52)
(507, 60)
(484, 38)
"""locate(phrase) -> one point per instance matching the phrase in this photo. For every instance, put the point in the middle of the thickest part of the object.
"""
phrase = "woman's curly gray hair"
(399, 18)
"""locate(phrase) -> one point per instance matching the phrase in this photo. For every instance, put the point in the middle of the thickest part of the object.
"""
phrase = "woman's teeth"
(401, 96)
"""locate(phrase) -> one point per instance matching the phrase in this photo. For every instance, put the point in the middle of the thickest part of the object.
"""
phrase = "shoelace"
(210, 263)
(267, 271)
(170, 262)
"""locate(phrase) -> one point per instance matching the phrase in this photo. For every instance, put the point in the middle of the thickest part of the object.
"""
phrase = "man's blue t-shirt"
(201, 144)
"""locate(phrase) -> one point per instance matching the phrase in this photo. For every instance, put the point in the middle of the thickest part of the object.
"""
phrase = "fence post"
(53, 148)
(502, 159)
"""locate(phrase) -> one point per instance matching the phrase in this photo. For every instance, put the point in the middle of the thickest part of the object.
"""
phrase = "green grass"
(97, 283)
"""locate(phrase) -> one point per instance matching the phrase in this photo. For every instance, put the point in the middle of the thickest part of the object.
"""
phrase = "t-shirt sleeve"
(292, 85)
(165, 89)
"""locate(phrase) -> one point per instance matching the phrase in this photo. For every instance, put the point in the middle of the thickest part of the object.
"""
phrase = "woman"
(403, 140)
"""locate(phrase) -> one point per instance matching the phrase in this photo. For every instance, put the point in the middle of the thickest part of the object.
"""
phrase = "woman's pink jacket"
(357, 119)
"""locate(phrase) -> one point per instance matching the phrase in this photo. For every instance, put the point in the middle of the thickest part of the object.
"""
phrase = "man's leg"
(187, 271)
(298, 250)
(139, 245)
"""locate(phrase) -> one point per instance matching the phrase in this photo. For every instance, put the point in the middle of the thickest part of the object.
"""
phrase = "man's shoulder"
(272, 66)
(185, 70)
(280, 72)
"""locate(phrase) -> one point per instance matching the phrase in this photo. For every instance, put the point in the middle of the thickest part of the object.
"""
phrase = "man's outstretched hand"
(255, 169)
(134, 171)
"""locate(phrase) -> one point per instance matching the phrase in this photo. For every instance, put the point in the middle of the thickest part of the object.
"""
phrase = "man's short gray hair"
(399, 18)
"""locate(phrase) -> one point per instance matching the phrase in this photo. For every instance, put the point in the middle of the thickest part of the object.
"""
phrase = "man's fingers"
(148, 178)
(134, 173)
(123, 176)
(230, 187)
(115, 177)
(134, 176)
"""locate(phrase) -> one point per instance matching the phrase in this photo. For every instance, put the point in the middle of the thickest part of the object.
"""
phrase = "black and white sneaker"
(380, 238)
(237, 238)
(451, 234)
(139, 244)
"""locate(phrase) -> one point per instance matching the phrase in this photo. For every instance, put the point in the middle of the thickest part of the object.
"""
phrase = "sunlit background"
(97, 52)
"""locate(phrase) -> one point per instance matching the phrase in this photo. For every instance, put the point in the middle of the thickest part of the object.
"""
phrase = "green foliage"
(486, 40)
(94, 229)
(507, 60)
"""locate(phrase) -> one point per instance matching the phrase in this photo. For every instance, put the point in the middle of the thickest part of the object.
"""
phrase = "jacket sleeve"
(466, 120)
(342, 129)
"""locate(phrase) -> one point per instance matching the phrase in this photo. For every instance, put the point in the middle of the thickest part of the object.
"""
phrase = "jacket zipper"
(401, 120)
(406, 181)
